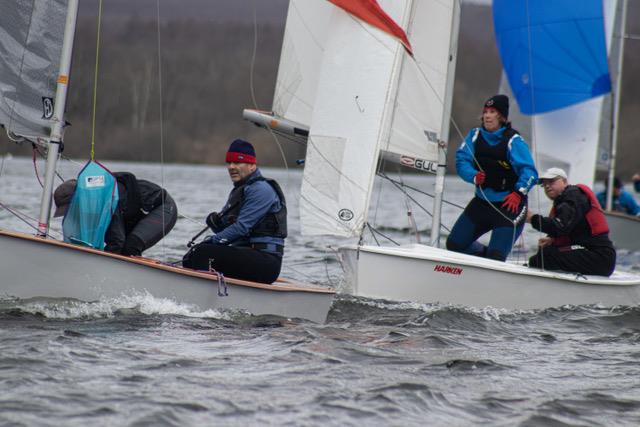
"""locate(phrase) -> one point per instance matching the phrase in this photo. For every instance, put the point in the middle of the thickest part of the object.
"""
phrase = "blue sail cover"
(91, 208)
(553, 51)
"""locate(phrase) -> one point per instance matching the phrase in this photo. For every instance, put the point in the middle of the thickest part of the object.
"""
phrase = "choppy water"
(138, 360)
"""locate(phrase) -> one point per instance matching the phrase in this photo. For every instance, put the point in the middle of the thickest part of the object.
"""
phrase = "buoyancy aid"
(494, 161)
(130, 199)
(272, 224)
(595, 218)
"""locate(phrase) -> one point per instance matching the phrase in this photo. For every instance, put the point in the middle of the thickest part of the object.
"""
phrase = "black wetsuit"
(145, 214)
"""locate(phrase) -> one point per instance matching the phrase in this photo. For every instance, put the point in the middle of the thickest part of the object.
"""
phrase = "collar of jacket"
(255, 175)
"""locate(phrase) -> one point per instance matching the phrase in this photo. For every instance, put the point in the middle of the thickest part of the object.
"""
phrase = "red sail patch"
(370, 12)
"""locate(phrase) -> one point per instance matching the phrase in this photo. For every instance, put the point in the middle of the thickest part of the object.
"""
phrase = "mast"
(55, 138)
(446, 119)
(616, 111)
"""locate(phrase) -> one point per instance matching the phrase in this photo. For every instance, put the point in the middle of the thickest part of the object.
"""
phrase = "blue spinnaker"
(92, 205)
(553, 51)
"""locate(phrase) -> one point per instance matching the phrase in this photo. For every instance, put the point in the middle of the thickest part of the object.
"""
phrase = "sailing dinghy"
(360, 96)
(34, 75)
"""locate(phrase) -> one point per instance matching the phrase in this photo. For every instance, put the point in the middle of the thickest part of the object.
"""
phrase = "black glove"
(214, 221)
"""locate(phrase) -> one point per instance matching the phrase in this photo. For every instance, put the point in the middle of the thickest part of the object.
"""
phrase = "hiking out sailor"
(577, 231)
(623, 201)
(145, 213)
(496, 159)
(251, 227)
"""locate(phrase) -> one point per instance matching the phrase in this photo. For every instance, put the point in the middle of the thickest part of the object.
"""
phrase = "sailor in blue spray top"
(251, 227)
(494, 158)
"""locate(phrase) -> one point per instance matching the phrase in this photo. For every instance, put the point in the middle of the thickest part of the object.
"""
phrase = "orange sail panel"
(370, 12)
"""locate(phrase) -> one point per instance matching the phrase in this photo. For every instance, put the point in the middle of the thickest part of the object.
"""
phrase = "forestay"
(372, 96)
(31, 36)
(555, 60)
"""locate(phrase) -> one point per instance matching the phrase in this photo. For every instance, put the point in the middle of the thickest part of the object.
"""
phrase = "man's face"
(553, 187)
(239, 171)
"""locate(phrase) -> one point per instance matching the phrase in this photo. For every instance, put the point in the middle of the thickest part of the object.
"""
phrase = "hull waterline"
(431, 275)
(33, 267)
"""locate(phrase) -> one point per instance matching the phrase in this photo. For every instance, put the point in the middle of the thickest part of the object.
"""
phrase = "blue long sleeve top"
(519, 157)
(260, 199)
(624, 203)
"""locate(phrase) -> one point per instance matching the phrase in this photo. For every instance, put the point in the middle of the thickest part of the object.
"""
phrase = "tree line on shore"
(203, 75)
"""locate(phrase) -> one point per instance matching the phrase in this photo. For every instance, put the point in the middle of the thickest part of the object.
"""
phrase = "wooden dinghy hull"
(33, 267)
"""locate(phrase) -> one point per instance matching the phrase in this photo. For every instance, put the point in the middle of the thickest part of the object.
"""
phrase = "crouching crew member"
(144, 215)
(497, 160)
(251, 227)
(577, 232)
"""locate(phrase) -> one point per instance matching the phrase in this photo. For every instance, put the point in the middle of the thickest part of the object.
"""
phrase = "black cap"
(63, 195)
(500, 103)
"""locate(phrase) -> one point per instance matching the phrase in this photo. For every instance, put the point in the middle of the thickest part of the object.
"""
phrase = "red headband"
(233, 157)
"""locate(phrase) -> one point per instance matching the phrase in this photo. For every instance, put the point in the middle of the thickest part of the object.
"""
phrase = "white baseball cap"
(552, 173)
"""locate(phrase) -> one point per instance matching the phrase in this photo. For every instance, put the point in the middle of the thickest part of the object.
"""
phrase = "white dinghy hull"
(431, 275)
(624, 230)
(53, 269)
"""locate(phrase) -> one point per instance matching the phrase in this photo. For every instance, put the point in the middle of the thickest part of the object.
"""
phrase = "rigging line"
(253, 92)
(374, 230)
(399, 187)
(383, 175)
(383, 164)
(37, 149)
(161, 110)
(35, 168)
(533, 118)
(372, 234)
(21, 216)
(180, 215)
(95, 83)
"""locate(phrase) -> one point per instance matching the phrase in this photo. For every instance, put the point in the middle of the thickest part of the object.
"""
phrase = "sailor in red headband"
(251, 227)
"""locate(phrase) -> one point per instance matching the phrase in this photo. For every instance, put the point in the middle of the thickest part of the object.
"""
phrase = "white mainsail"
(31, 35)
(372, 95)
(300, 59)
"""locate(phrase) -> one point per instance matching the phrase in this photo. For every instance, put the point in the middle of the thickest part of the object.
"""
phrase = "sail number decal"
(421, 164)
(456, 271)
(47, 107)
(345, 215)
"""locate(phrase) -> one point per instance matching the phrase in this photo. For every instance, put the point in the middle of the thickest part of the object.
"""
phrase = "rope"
(164, 248)
(253, 93)
(383, 175)
(374, 230)
(95, 84)
(533, 125)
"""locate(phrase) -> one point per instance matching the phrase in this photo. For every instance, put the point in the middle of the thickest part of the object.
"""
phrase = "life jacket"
(494, 161)
(130, 198)
(271, 225)
(595, 218)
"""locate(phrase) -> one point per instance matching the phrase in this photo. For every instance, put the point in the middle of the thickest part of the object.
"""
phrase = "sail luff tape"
(63, 79)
